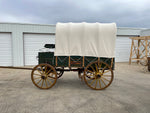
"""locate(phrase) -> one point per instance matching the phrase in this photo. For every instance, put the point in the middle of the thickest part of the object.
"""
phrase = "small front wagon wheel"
(44, 76)
(98, 75)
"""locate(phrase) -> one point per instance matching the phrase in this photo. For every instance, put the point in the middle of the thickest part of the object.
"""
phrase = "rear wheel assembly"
(98, 75)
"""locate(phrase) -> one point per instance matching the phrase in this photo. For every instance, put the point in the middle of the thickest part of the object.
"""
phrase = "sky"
(125, 13)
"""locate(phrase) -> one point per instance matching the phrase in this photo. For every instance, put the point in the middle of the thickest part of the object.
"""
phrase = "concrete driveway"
(129, 93)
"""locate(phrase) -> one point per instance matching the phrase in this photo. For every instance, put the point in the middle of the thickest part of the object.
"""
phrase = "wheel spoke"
(39, 81)
(92, 82)
(49, 81)
(42, 83)
(37, 78)
(37, 74)
(45, 69)
(106, 75)
(106, 79)
(96, 67)
(48, 71)
(99, 83)
(103, 82)
(42, 69)
(90, 71)
(100, 65)
(96, 83)
(39, 71)
(106, 71)
(46, 83)
(104, 68)
(51, 75)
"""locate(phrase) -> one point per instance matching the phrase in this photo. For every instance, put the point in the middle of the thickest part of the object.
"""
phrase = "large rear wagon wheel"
(98, 75)
(44, 76)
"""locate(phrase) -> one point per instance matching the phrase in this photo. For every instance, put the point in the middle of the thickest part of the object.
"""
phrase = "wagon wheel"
(98, 75)
(144, 61)
(44, 76)
(60, 73)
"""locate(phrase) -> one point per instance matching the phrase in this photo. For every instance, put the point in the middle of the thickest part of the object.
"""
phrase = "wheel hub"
(43, 77)
(98, 76)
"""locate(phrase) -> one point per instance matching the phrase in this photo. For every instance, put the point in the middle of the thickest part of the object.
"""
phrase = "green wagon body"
(75, 61)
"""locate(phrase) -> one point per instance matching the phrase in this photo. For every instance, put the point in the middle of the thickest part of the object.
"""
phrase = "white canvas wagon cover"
(85, 39)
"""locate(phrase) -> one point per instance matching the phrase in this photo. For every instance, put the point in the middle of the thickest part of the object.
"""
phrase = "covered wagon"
(88, 48)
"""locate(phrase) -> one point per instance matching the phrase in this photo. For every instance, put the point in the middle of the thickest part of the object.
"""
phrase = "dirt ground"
(129, 93)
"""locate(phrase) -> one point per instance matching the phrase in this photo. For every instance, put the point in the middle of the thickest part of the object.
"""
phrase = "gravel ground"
(129, 93)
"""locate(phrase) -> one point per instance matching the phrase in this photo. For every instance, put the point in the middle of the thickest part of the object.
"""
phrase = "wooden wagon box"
(75, 61)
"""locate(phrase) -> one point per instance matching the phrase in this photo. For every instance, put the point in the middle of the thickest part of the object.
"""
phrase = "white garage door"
(123, 46)
(5, 49)
(32, 44)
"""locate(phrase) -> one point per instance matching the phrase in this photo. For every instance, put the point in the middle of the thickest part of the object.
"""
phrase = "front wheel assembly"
(44, 76)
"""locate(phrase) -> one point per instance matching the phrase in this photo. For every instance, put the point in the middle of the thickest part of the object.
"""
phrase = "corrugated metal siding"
(32, 44)
(145, 32)
(5, 49)
(123, 45)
